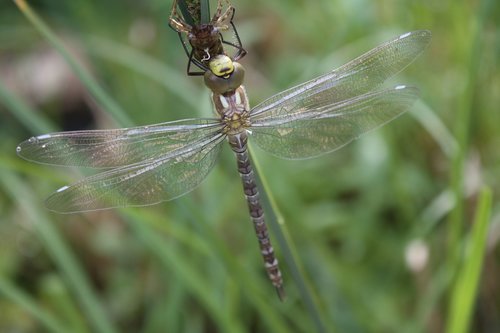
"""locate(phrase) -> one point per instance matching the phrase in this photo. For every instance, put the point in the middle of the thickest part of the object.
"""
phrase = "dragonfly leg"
(219, 19)
(176, 22)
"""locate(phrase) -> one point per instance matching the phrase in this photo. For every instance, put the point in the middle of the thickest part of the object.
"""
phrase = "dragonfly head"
(222, 66)
(225, 75)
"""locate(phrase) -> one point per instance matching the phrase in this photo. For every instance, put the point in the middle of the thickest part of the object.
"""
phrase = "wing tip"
(406, 88)
(31, 144)
(424, 36)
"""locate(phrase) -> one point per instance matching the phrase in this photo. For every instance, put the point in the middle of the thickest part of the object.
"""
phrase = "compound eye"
(222, 66)
(223, 85)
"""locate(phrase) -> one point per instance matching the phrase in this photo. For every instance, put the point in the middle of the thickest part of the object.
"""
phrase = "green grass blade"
(102, 98)
(465, 290)
(55, 295)
(184, 8)
(169, 258)
(59, 251)
(23, 112)
(468, 52)
(17, 296)
(205, 11)
(144, 64)
(435, 127)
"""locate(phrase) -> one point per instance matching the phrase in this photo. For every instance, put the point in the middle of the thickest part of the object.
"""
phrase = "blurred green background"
(393, 232)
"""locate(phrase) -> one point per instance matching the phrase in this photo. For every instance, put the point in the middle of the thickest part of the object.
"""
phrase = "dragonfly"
(201, 38)
(150, 164)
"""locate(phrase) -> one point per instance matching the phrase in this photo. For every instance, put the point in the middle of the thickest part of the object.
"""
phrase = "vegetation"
(397, 232)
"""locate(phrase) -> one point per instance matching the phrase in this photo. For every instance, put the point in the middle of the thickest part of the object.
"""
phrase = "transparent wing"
(117, 147)
(357, 77)
(308, 133)
(164, 178)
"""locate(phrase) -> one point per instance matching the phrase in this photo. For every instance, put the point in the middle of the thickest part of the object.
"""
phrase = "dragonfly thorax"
(237, 123)
(233, 110)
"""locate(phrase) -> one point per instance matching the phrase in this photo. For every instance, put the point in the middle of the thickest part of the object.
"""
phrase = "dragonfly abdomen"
(238, 144)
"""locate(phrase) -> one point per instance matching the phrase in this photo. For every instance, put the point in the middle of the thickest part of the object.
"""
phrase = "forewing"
(156, 180)
(357, 77)
(302, 134)
(117, 147)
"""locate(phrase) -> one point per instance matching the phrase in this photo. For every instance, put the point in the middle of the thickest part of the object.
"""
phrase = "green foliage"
(391, 233)
(465, 290)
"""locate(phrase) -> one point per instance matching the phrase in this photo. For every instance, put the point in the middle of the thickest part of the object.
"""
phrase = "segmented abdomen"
(239, 145)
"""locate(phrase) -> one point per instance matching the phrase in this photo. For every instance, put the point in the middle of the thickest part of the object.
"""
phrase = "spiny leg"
(176, 22)
(221, 21)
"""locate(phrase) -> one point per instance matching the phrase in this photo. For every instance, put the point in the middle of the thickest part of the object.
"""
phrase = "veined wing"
(160, 179)
(116, 147)
(302, 134)
(357, 77)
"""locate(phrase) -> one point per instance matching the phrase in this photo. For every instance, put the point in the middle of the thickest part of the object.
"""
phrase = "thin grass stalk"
(146, 65)
(24, 301)
(24, 113)
(468, 53)
(435, 127)
(55, 295)
(186, 11)
(205, 11)
(59, 252)
(466, 286)
(103, 99)
(174, 261)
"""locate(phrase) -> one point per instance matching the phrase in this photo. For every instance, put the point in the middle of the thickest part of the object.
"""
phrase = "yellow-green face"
(221, 66)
